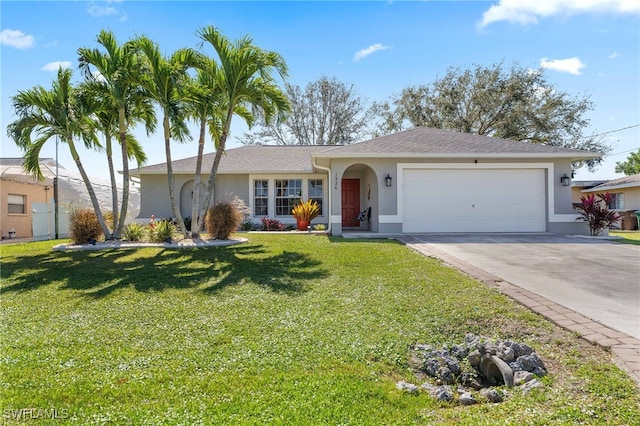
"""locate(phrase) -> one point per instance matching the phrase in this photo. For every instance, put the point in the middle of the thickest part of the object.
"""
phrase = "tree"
(631, 166)
(245, 74)
(55, 113)
(516, 103)
(112, 75)
(163, 81)
(206, 105)
(326, 112)
(106, 122)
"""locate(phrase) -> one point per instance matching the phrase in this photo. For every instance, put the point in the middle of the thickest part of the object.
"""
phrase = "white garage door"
(487, 200)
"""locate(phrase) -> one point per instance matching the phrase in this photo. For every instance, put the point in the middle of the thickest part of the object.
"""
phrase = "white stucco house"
(416, 181)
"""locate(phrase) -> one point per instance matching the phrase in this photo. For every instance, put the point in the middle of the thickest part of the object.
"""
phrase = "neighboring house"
(577, 186)
(20, 191)
(419, 180)
(626, 197)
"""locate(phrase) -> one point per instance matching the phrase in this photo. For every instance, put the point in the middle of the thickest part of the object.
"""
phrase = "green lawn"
(628, 237)
(285, 329)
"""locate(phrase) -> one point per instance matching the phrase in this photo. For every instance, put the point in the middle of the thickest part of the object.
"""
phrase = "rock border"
(186, 243)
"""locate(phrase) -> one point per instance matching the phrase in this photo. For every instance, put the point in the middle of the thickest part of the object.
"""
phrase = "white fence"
(43, 221)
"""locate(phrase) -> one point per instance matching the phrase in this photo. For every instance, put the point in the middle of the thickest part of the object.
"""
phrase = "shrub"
(319, 227)
(246, 225)
(134, 231)
(269, 224)
(84, 226)
(307, 210)
(595, 211)
(222, 219)
(163, 231)
(108, 219)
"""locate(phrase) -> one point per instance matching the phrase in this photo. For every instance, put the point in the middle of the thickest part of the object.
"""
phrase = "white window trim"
(24, 204)
(272, 192)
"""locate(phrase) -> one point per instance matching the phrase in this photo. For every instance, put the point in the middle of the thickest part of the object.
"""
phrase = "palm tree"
(245, 74)
(106, 122)
(56, 113)
(113, 75)
(163, 83)
(206, 106)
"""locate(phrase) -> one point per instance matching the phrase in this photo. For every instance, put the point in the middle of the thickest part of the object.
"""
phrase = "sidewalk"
(625, 349)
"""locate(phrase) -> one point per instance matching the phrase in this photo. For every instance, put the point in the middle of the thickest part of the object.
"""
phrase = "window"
(17, 204)
(261, 198)
(315, 191)
(617, 202)
(288, 193)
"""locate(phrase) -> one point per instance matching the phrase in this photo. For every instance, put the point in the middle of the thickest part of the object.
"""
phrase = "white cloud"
(614, 55)
(17, 39)
(570, 65)
(528, 11)
(53, 66)
(98, 10)
(368, 51)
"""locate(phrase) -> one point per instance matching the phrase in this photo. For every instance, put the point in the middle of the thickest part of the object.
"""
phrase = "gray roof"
(247, 159)
(623, 182)
(422, 142)
(427, 142)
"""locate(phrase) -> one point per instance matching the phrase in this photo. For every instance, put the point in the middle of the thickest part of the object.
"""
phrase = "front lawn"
(285, 329)
(627, 237)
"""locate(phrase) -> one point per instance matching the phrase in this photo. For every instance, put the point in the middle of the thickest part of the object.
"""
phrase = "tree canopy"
(325, 112)
(631, 166)
(513, 103)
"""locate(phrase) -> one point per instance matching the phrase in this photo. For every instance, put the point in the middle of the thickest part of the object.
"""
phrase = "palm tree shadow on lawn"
(98, 274)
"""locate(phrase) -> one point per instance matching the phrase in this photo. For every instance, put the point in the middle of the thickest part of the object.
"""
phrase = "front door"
(350, 202)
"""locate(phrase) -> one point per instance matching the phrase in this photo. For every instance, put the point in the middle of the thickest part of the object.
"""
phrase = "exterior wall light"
(388, 180)
(565, 180)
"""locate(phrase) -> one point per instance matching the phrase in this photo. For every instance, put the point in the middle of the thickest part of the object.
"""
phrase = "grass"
(627, 237)
(285, 329)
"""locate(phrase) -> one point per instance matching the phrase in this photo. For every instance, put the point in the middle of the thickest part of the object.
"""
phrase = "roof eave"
(565, 155)
(612, 187)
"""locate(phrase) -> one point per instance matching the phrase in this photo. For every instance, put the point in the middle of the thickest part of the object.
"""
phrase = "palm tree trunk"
(114, 188)
(172, 184)
(195, 201)
(125, 172)
(216, 162)
(92, 194)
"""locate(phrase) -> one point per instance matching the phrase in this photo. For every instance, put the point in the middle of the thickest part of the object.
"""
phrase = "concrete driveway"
(597, 278)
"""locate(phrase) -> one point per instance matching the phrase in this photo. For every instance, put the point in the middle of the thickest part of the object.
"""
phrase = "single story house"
(419, 180)
(626, 197)
(19, 191)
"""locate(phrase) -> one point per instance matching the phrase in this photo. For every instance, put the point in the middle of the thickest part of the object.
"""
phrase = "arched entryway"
(359, 195)
(186, 198)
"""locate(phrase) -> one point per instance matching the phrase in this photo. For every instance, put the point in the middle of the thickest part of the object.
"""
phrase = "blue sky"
(588, 47)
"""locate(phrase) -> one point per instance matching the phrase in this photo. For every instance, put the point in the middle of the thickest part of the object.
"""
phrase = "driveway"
(597, 278)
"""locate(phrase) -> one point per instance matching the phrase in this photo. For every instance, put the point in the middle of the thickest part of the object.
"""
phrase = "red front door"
(350, 202)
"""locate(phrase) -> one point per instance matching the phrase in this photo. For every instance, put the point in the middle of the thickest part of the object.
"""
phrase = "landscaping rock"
(521, 377)
(467, 399)
(407, 387)
(531, 363)
(443, 394)
(474, 358)
(491, 395)
(533, 384)
(475, 364)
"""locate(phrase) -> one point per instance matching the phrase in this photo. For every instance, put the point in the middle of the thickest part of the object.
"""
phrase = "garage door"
(487, 200)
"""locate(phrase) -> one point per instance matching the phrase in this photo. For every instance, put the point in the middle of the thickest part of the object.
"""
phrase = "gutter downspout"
(328, 170)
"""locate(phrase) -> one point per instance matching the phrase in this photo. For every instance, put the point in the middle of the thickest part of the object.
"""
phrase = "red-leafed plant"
(269, 224)
(594, 209)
